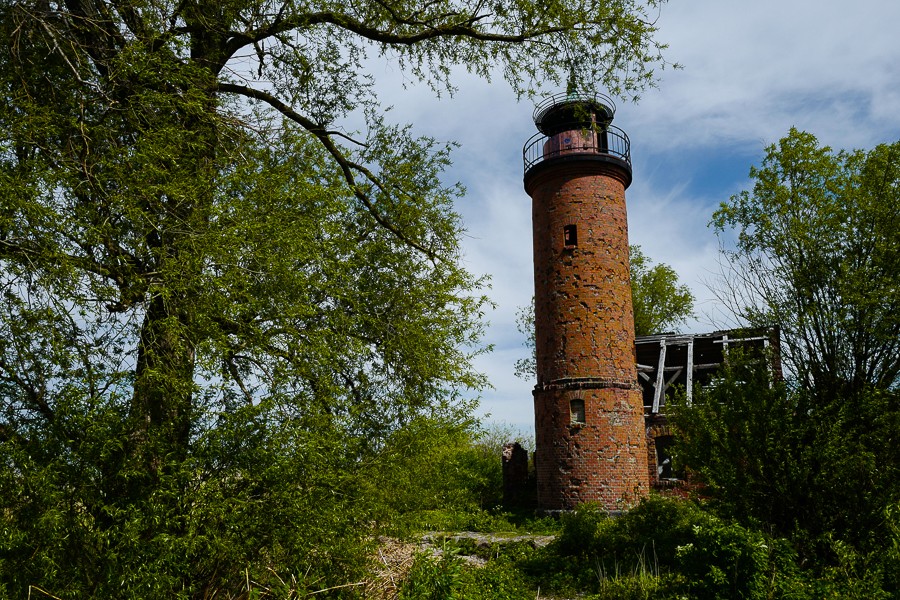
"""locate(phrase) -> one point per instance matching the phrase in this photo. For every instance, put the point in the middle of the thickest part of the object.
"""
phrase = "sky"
(751, 71)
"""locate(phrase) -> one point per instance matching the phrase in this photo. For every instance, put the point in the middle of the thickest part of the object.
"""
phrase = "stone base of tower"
(590, 446)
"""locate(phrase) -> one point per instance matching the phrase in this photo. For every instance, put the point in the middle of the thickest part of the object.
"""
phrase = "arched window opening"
(576, 410)
(570, 235)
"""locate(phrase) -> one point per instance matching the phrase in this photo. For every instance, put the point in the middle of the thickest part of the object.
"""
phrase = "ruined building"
(669, 362)
(600, 429)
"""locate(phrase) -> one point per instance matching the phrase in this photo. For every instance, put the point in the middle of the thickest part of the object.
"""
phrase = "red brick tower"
(589, 421)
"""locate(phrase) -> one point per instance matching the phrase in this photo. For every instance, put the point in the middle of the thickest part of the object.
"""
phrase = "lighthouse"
(589, 420)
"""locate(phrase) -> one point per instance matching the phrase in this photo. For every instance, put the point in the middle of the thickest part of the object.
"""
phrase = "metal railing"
(610, 141)
(553, 102)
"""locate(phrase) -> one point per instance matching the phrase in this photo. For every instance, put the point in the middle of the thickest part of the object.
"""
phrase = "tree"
(217, 301)
(659, 302)
(817, 254)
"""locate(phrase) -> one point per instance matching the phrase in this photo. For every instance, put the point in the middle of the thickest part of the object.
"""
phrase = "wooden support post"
(660, 377)
(690, 372)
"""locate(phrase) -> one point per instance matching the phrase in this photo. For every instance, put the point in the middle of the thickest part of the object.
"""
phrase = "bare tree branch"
(464, 28)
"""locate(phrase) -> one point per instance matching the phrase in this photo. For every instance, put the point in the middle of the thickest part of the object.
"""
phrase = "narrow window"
(576, 409)
(570, 235)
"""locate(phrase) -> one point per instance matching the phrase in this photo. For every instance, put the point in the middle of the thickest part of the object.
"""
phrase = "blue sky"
(751, 71)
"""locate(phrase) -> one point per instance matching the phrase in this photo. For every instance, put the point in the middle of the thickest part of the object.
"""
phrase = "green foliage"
(447, 578)
(663, 548)
(432, 578)
(441, 475)
(579, 529)
(666, 548)
(202, 528)
(744, 438)
(660, 302)
(447, 476)
(220, 302)
(816, 459)
(498, 580)
(724, 560)
(891, 559)
(650, 534)
(823, 473)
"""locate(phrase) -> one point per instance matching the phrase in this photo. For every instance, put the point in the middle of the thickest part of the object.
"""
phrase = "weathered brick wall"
(584, 324)
(603, 460)
(584, 333)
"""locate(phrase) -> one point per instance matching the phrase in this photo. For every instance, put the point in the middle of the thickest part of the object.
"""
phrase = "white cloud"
(753, 71)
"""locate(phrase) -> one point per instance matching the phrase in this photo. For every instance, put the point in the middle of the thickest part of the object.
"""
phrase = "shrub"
(432, 578)
(679, 546)
(724, 560)
(249, 508)
(806, 464)
(448, 578)
(580, 530)
(498, 580)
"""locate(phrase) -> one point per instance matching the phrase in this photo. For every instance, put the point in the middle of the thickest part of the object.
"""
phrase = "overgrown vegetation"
(789, 460)
(663, 548)
(443, 477)
(234, 338)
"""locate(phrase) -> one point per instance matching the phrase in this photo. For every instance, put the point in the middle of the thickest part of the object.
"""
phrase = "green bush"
(580, 530)
(441, 475)
(805, 464)
(432, 578)
(252, 506)
(498, 580)
(448, 578)
(672, 547)
(652, 531)
(724, 560)
(430, 467)
(891, 558)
